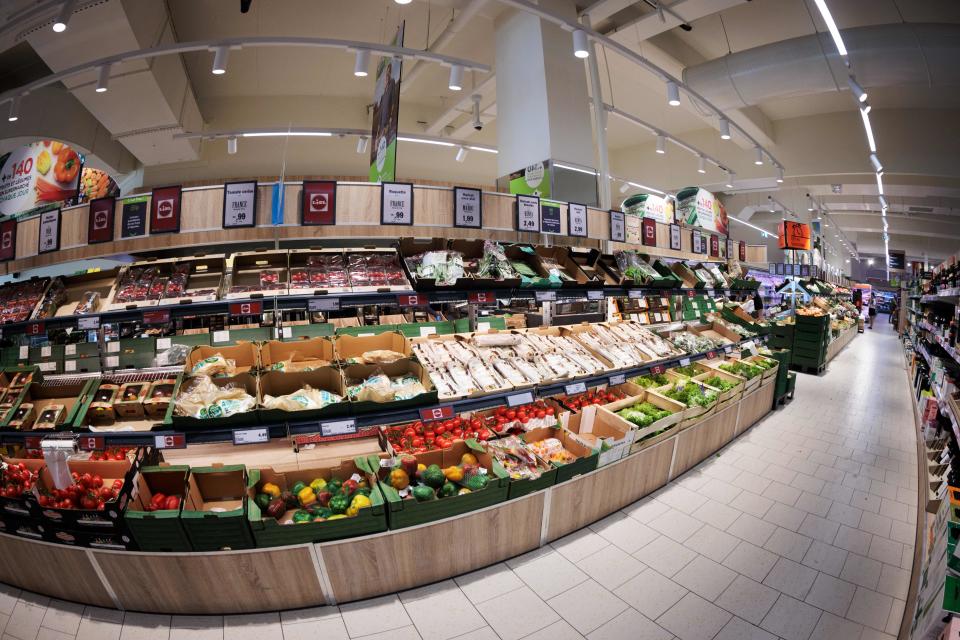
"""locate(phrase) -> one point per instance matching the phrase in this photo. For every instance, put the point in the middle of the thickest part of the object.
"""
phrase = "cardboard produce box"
(195, 279)
(274, 532)
(654, 432)
(312, 352)
(693, 413)
(279, 383)
(589, 262)
(318, 272)
(507, 451)
(245, 356)
(705, 371)
(407, 511)
(527, 264)
(161, 529)
(349, 349)
(586, 457)
(216, 517)
(473, 253)
(410, 251)
(46, 407)
(718, 332)
(258, 273)
(599, 431)
(244, 381)
(357, 373)
(559, 257)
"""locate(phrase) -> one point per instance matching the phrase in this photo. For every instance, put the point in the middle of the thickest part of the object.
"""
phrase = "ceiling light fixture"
(701, 165)
(461, 154)
(103, 79)
(866, 107)
(568, 167)
(880, 183)
(14, 114)
(810, 203)
(858, 91)
(875, 161)
(280, 134)
(580, 45)
(232, 145)
(661, 144)
(759, 160)
(831, 26)
(362, 143)
(403, 1)
(752, 226)
(60, 25)
(883, 203)
(220, 60)
(869, 130)
(673, 94)
(625, 187)
(780, 175)
(724, 129)
(729, 183)
(439, 143)
(456, 78)
(362, 63)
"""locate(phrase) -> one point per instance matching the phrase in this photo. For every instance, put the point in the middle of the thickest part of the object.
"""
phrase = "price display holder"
(675, 237)
(467, 208)
(616, 379)
(441, 412)
(575, 388)
(170, 441)
(239, 204)
(528, 213)
(618, 226)
(413, 300)
(481, 297)
(577, 220)
(545, 296)
(396, 203)
(517, 399)
(88, 323)
(323, 304)
(251, 436)
(338, 428)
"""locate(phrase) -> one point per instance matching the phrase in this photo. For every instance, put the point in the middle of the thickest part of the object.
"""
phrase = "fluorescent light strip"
(577, 169)
(752, 226)
(880, 183)
(637, 185)
(271, 134)
(831, 26)
(436, 142)
(483, 149)
(869, 130)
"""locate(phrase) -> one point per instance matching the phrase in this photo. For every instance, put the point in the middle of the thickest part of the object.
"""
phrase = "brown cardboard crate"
(280, 383)
(599, 431)
(246, 356)
(314, 352)
(350, 349)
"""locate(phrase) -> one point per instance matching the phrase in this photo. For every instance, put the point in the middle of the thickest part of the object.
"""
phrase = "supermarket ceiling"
(767, 63)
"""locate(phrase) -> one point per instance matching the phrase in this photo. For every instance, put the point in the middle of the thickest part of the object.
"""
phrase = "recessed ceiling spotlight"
(14, 114)
(702, 165)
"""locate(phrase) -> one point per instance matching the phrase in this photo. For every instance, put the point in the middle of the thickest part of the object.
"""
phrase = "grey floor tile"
(791, 578)
(611, 566)
(488, 583)
(825, 558)
(440, 610)
(651, 593)
(693, 618)
(747, 599)
(791, 619)
(665, 555)
(788, 544)
(630, 624)
(517, 614)
(587, 606)
(705, 577)
(751, 560)
(831, 594)
(870, 608)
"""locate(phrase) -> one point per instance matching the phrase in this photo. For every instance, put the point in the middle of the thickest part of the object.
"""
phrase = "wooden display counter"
(356, 568)
(837, 345)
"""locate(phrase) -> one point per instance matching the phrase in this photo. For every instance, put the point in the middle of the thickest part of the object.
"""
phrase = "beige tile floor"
(801, 529)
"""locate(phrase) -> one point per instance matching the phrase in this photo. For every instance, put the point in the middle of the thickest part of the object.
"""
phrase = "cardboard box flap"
(274, 351)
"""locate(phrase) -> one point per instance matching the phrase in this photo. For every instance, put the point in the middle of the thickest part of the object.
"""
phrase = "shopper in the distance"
(757, 305)
(872, 312)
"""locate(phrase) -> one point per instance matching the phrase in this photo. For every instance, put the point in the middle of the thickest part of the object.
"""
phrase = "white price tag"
(251, 436)
(619, 378)
(239, 204)
(396, 203)
(635, 293)
(69, 365)
(24, 353)
(684, 362)
(577, 220)
(528, 213)
(749, 345)
(545, 296)
(595, 294)
(113, 362)
(726, 292)
(365, 335)
(221, 336)
(286, 332)
(427, 331)
(483, 326)
(46, 352)
(467, 208)
(70, 350)
(618, 227)
(575, 388)
(87, 323)
(48, 366)
(163, 344)
(727, 349)
(323, 304)
(113, 347)
(338, 428)
(518, 399)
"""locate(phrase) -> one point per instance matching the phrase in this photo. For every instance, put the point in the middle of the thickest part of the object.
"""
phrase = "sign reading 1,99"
(528, 213)
(467, 208)
(396, 203)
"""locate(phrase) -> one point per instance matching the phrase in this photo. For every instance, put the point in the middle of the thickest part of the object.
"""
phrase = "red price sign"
(412, 300)
(481, 297)
(743, 251)
(690, 293)
(246, 308)
(32, 442)
(649, 232)
(172, 441)
(436, 413)
(158, 316)
(36, 329)
(92, 443)
(656, 369)
(714, 246)
(711, 355)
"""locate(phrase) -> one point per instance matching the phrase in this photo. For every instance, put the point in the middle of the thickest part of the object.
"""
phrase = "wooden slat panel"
(699, 441)
(225, 582)
(73, 227)
(51, 569)
(588, 498)
(407, 558)
(200, 210)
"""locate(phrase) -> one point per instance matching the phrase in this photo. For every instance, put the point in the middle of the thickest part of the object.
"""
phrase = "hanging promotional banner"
(396, 203)
(49, 238)
(467, 208)
(549, 218)
(532, 181)
(649, 232)
(100, 220)
(898, 260)
(793, 235)
(618, 227)
(95, 184)
(649, 206)
(8, 239)
(318, 205)
(743, 251)
(699, 208)
(239, 204)
(386, 116)
(40, 174)
(577, 220)
(675, 237)
(528, 213)
(133, 217)
(165, 210)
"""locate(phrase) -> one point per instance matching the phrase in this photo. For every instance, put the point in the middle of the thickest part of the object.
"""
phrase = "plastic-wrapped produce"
(494, 263)
(634, 267)
(446, 267)
(202, 399)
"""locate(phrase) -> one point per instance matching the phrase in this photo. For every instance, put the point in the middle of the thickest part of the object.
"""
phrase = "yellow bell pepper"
(271, 490)
(306, 497)
(453, 474)
(337, 517)
(318, 485)
(399, 479)
(468, 458)
(359, 502)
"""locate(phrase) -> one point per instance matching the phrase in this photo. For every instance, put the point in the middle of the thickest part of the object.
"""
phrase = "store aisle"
(801, 529)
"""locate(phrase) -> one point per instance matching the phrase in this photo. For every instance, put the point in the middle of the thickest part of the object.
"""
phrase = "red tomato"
(417, 442)
(550, 411)
(541, 414)
(173, 502)
(511, 415)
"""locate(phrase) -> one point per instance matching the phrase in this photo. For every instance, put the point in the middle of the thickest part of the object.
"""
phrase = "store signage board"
(577, 220)
(675, 237)
(656, 369)
(91, 443)
(8, 239)
(550, 218)
(618, 227)
(528, 213)
(165, 210)
(684, 362)
(697, 239)
(805, 270)
(545, 296)
(251, 436)
(440, 412)
(88, 322)
(318, 204)
(239, 204)
(772, 268)
(793, 235)
(338, 428)
(396, 203)
(781, 270)
(49, 239)
(170, 441)
(517, 399)
(467, 208)
(711, 355)
(323, 304)
(246, 308)
(158, 316)
(100, 220)
(413, 300)
(133, 218)
(648, 232)
(36, 329)
(575, 388)
(616, 379)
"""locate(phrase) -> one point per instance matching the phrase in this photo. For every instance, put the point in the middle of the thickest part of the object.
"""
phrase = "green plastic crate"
(213, 531)
(494, 322)
(418, 329)
(370, 330)
(159, 530)
(322, 330)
